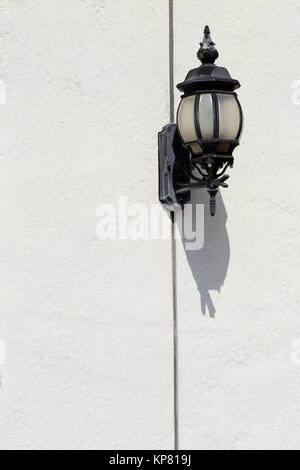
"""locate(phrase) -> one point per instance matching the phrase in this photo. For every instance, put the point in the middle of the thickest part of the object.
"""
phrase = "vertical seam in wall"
(173, 240)
(171, 60)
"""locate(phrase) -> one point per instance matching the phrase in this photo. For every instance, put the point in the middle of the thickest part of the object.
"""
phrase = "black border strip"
(241, 119)
(196, 117)
(203, 92)
(215, 114)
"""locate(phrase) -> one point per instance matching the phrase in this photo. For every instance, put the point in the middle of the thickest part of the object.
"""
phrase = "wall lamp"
(196, 152)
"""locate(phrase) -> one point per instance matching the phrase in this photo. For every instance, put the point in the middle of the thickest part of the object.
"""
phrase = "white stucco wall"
(87, 323)
(238, 386)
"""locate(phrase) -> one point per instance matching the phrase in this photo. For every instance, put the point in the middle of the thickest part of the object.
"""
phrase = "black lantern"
(197, 150)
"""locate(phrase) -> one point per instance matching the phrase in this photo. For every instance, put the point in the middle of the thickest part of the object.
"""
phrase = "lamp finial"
(207, 52)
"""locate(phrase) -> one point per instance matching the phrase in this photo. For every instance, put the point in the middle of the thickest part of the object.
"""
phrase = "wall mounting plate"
(170, 154)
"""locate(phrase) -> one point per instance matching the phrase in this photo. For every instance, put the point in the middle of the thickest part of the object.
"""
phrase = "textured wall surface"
(238, 298)
(87, 323)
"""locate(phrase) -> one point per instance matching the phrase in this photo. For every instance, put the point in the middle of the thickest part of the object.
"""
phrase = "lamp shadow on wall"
(209, 264)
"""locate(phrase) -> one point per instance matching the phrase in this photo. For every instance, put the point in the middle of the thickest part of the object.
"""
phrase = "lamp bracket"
(171, 174)
(176, 166)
